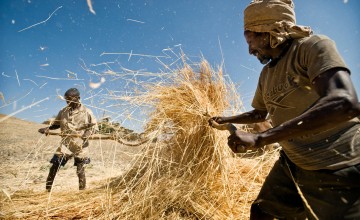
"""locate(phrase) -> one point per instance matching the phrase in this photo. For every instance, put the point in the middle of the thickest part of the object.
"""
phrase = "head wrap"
(277, 17)
(72, 92)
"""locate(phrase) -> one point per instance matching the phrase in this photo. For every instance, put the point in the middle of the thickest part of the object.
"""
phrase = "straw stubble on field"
(188, 173)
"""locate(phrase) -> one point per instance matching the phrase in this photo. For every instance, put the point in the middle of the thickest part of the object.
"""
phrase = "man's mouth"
(261, 58)
(264, 60)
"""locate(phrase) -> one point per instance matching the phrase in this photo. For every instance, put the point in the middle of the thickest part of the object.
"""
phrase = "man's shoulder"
(63, 109)
(85, 109)
(88, 112)
(312, 39)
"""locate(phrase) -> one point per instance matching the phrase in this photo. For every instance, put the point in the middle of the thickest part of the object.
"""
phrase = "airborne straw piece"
(2, 97)
(89, 3)
(98, 84)
(24, 108)
(41, 21)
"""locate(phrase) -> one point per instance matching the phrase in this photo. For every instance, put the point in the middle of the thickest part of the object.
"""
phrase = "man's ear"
(267, 37)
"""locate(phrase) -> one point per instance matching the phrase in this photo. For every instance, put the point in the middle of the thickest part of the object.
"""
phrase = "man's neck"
(280, 51)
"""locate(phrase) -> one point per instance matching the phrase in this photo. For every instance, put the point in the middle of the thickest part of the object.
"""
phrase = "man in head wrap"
(77, 120)
(306, 90)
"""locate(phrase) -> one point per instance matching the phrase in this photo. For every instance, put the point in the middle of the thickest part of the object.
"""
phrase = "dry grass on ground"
(189, 173)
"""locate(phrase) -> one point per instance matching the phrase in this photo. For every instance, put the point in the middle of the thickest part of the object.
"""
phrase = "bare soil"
(25, 156)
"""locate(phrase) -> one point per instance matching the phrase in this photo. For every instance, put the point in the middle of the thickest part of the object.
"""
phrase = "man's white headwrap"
(276, 17)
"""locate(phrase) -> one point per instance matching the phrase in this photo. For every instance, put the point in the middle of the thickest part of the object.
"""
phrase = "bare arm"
(338, 103)
(53, 126)
(253, 116)
(46, 129)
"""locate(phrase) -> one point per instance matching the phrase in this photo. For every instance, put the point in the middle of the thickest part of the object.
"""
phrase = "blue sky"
(47, 47)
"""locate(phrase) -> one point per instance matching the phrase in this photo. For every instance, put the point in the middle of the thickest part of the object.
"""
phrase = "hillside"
(25, 155)
(189, 173)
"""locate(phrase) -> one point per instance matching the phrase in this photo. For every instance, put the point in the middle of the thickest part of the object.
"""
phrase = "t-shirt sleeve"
(258, 101)
(92, 119)
(319, 55)
(57, 119)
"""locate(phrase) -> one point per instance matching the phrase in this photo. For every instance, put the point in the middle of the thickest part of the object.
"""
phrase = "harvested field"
(188, 173)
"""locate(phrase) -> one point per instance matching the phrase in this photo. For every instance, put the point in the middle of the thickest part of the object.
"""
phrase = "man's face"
(72, 101)
(259, 45)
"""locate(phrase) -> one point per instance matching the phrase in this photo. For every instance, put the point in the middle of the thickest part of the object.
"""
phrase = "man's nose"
(251, 51)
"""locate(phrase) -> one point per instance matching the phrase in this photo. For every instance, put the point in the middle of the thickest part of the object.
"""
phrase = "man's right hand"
(217, 119)
(44, 130)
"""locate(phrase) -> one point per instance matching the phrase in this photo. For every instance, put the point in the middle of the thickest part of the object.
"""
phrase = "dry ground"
(25, 155)
(24, 165)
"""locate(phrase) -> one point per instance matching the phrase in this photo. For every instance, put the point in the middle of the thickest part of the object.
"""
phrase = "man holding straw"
(306, 90)
(74, 120)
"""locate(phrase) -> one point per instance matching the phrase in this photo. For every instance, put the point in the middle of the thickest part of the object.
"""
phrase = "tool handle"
(102, 137)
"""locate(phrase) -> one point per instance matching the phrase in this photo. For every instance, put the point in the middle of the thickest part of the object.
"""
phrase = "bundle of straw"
(177, 172)
(188, 173)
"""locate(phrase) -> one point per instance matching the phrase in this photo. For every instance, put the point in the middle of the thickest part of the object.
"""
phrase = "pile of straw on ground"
(188, 173)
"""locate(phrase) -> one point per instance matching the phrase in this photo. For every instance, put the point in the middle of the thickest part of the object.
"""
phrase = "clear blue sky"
(37, 46)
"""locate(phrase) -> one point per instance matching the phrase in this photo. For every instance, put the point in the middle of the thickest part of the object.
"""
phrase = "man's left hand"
(86, 135)
(85, 143)
(240, 141)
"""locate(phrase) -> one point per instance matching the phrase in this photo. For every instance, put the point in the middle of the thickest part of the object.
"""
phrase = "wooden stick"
(101, 137)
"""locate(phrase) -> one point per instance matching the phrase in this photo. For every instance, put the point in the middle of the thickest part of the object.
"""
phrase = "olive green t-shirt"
(285, 91)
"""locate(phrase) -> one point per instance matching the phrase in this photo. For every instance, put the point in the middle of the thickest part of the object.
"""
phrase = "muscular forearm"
(253, 116)
(326, 113)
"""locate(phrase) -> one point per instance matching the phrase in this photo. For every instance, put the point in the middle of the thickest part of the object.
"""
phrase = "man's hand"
(44, 131)
(86, 135)
(239, 141)
(85, 143)
(217, 119)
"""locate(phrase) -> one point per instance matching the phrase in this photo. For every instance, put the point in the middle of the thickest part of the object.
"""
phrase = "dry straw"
(187, 173)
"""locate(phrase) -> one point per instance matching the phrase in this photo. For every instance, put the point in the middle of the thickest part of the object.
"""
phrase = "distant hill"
(15, 128)
(25, 155)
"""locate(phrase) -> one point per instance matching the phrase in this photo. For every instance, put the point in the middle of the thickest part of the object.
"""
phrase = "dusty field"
(25, 155)
(24, 166)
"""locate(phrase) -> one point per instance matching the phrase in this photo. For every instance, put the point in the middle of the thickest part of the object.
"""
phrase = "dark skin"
(338, 103)
(72, 102)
